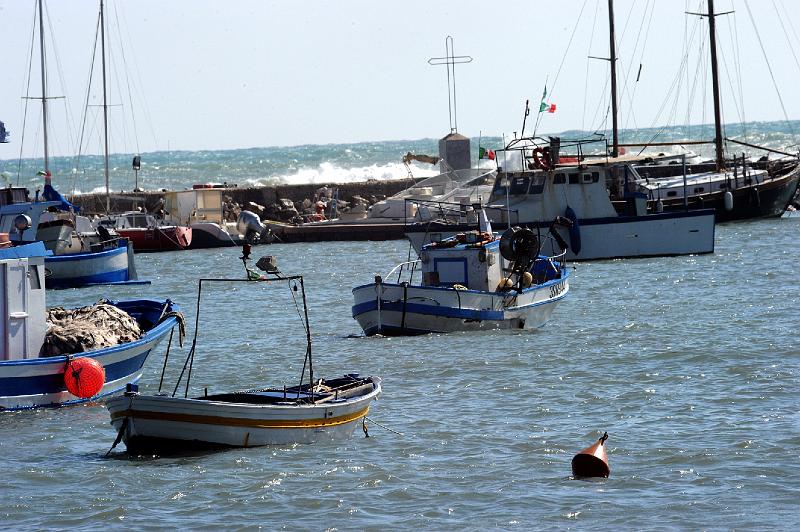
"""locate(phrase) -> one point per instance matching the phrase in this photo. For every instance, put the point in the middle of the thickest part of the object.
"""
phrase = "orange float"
(592, 461)
(84, 377)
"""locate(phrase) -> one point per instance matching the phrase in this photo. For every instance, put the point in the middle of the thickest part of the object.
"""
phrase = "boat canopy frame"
(252, 277)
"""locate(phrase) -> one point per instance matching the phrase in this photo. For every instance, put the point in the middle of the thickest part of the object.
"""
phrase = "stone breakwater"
(270, 198)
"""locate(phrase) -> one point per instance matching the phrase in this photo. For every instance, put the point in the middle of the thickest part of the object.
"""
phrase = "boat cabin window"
(559, 179)
(499, 188)
(671, 193)
(519, 185)
(723, 186)
(699, 189)
(537, 184)
(137, 220)
(574, 179)
(33, 277)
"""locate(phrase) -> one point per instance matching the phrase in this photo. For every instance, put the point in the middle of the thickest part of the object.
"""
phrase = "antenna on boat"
(525, 117)
(450, 60)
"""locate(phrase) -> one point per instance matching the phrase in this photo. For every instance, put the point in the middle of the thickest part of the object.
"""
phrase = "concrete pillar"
(454, 150)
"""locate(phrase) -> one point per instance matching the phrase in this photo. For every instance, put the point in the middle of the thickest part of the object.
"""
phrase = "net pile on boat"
(87, 328)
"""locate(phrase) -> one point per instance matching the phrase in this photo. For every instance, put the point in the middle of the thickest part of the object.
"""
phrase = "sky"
(211, 74)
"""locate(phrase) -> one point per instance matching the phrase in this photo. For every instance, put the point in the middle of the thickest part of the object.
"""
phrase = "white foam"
(329, 173)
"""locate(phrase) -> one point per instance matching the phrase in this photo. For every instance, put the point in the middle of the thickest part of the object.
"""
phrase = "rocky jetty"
(290, 203)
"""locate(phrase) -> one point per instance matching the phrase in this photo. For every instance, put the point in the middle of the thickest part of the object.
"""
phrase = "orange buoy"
(84, 377)
(592, 461)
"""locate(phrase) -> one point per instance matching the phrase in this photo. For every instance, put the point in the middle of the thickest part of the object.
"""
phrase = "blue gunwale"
(148, 336)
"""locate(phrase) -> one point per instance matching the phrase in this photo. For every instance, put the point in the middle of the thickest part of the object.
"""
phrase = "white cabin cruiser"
(530, 191)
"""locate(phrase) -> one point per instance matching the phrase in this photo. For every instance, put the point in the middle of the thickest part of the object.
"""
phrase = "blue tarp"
(51, 194)
(35, 249)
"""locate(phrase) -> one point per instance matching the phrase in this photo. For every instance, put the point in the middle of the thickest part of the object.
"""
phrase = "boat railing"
(447, 212)
(408, 268)
(547, 268)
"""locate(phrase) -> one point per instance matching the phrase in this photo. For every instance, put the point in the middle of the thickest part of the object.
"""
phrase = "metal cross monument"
(450, 60)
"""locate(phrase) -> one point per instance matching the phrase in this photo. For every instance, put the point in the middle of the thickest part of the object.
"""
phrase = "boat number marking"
(557, 289)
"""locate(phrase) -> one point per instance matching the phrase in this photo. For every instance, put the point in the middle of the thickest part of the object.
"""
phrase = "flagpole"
(539, 115)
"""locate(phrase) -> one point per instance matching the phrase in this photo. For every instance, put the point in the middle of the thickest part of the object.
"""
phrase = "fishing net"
(83, 329)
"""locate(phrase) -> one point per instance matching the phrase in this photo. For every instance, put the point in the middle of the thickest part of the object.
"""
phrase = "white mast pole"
(105, 102)
(44, 89)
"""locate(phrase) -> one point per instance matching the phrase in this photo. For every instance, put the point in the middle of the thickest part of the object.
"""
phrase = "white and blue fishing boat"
(473, 281)
(28, 377)
(81, 255)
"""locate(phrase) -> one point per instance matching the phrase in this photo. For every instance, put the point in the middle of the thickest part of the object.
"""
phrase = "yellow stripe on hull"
(242, 422)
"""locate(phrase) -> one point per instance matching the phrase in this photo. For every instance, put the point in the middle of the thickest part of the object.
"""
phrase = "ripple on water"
(688, 362)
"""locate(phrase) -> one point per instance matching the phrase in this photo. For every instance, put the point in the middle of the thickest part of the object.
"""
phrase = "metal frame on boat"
(312, 411)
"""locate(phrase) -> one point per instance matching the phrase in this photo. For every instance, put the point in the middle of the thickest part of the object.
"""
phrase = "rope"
(120, 434)
(383, 427)
(179, 317)
(769, 67)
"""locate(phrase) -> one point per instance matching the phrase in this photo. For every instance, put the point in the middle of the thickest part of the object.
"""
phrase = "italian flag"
(483, 153)
(549, 107)
(544, 106)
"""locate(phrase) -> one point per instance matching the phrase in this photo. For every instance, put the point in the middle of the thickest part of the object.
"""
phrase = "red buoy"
(592, 461)
(84, 377)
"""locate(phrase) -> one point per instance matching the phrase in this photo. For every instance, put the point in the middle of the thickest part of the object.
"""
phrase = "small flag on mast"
(483, 153)
(544, 106)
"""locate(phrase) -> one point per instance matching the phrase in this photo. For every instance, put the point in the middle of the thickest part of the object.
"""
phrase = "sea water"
(339, 163)
(690, 363)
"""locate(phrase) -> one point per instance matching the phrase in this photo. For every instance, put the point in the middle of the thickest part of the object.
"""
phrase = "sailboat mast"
(44, 89)
(715, 82)
(613, 59)
(105, 102)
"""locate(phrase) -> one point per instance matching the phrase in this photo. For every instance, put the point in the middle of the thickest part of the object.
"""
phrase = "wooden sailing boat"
(736, 189)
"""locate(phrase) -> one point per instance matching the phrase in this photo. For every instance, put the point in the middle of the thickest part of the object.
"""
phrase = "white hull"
(624, 237)
(198, 422)
(424, 309)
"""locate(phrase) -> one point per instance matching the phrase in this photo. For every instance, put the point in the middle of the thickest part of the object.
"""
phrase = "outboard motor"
(249, 224)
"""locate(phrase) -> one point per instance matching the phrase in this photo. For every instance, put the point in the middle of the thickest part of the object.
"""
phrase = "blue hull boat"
(28, 378)
(110, 266)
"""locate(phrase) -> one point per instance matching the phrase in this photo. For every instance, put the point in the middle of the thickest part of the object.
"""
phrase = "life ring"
(541, 158)
(518, 243)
